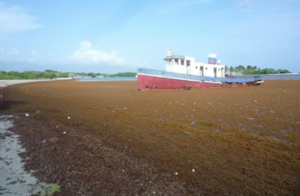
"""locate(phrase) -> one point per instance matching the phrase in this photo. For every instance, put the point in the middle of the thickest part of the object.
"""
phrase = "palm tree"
(231, 69)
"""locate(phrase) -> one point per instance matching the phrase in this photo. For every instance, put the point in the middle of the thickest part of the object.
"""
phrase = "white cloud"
(35, 57)
(175, 6)
(14, 19)
(86, 55)
(246, 3)
(9, 55)
(14, 56)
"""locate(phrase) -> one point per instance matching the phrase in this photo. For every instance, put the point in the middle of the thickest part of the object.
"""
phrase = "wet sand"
(13, 179)
(101, 138)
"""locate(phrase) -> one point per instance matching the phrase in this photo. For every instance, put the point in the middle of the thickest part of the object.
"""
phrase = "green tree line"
(254, 70)
(47, 74)
(93, 75)
(123, 74)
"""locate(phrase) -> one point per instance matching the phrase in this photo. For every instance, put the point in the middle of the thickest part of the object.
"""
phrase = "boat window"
(182, 62)
(176, 61)
(188, 62)
(169, 61)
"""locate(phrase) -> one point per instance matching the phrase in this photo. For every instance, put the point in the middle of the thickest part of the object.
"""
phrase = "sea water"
(276, 76)
(281, 77)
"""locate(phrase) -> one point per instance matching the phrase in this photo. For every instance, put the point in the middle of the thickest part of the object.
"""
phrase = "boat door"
(201, 71)
(188, 63)
(215, 72)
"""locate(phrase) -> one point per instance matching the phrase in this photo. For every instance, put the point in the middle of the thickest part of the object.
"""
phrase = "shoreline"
(5, 83)
(14, 179)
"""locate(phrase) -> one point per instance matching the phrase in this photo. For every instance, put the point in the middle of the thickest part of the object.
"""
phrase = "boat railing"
(196, 78)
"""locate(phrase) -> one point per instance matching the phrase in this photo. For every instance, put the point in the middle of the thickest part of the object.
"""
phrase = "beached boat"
(184, 72)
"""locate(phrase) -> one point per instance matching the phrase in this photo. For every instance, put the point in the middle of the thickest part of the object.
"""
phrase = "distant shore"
(5, 83)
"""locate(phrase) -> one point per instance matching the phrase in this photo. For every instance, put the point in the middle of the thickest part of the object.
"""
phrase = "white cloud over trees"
(85, 54)
(9, 55)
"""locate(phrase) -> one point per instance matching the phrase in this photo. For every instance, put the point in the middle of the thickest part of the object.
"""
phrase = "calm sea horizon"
(280, 77)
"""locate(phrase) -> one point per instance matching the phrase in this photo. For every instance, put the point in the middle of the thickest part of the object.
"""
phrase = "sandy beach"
(5, 83)
(109, 138)
(14, 180)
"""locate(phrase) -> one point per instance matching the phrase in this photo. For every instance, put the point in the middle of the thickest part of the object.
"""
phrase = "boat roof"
(174, 57)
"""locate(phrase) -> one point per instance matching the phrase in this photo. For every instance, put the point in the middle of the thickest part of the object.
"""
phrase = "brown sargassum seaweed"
(120, 141)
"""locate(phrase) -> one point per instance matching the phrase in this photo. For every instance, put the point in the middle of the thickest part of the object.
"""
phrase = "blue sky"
(121, 35)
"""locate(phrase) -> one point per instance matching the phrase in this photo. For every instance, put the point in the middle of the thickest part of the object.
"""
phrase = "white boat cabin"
(187, 65)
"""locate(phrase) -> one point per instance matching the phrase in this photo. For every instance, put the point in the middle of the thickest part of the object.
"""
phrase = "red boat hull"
(148, 82)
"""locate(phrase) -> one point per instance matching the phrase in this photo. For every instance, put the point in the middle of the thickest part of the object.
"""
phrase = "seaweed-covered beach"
(109, 138)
